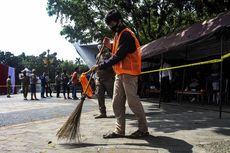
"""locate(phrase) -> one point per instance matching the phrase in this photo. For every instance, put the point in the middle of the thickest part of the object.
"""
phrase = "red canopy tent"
(3, 77)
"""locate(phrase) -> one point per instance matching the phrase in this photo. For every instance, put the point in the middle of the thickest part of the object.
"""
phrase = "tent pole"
(221, 75)
(183, 82)
(161, 63)
(184, 71)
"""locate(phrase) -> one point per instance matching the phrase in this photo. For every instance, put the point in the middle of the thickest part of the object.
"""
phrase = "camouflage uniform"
(104, 82)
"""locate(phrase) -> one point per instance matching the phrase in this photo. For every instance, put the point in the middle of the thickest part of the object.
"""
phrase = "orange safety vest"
(131, 64)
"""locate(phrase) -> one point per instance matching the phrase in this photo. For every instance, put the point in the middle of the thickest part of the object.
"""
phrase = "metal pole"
(48, 62)
(161, 80)
(184, 72)
(221, 75)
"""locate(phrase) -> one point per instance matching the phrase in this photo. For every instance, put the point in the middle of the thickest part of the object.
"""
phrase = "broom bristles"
(70, 130)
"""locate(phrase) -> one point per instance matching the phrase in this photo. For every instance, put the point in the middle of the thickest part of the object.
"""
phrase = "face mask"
(115, 28)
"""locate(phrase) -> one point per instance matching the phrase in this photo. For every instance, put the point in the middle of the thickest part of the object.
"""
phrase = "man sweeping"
(126, 62)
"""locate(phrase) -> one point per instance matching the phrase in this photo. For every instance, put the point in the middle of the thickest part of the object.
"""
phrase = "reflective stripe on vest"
(131, 64)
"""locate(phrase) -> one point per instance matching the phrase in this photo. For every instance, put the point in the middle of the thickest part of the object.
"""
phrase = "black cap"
(112, 15)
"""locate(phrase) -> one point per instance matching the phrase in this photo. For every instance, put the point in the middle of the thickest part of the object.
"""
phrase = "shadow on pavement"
(79, 145)
(170, 118)
(171, 144)
(225, 131)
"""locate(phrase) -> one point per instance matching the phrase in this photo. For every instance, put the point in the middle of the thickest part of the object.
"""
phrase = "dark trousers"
(74, 91)
(58, 88)
(9, 91)
(165, 89)
(66, 89)
(43, 91)
(101, 88)
(48, 91)
(25, 90)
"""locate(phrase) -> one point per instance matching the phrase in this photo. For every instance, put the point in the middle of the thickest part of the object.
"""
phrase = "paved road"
(172, 128)
(15, 110)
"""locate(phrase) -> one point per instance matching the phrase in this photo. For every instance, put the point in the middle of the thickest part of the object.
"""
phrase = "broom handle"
(91, 75)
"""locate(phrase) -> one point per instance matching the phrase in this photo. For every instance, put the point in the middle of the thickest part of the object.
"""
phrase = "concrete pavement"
(173, 129)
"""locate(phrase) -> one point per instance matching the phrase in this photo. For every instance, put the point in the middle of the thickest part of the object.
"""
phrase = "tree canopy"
(83, 20)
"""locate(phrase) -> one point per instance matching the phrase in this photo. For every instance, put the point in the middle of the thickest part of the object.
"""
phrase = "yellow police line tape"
(1, 86)
(189, 65)
(176, 67)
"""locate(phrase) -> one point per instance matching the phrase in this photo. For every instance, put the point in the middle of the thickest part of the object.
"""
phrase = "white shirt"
(165, 73)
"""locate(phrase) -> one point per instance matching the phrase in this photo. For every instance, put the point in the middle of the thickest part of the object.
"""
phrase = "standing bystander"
(74, 81)
(58, 84)
(65, 87)
(33, 82)
(48, 86)
(9, 86)
(165, 78)
(43, 84)
(25, 84)
(104, 82)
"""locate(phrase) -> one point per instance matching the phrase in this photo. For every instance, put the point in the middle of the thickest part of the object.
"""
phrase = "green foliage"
(149, 19)
(83, 68)
(69, 66)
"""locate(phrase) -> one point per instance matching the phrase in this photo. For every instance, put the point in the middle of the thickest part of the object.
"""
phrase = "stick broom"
(71, 128)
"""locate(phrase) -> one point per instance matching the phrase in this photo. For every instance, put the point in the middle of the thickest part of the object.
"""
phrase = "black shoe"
(101, 116)
(138, 134)
(112, 135)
